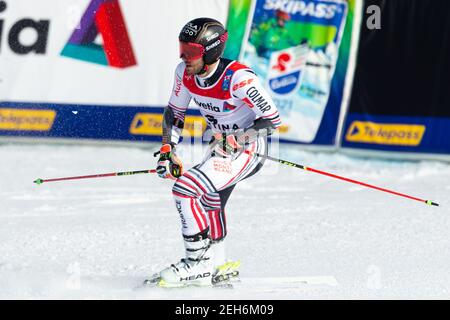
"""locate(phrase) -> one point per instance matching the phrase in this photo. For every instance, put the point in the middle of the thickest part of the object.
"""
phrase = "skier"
(273, 35)
(240, 114)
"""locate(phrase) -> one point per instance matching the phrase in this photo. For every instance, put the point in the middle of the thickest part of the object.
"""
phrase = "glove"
(225, 145)
(169, 165)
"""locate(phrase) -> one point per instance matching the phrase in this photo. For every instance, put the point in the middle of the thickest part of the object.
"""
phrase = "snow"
(99, 238)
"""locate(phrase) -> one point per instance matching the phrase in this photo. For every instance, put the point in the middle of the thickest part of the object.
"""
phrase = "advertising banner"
(96, 69)
(400, 99)
(91, 68)
(301, 50)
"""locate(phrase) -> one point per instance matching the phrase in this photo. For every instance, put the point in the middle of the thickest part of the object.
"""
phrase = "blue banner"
(132, 123)
(397, 133)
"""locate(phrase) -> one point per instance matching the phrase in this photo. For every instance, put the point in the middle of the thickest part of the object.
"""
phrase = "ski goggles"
(191, 51)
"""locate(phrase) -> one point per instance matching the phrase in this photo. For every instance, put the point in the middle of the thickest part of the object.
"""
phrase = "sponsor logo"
(304, 8)
(180, 212)
(284, 82)
(102, 17)
(222, 166)
(242, 84)
(215, 44)
(258, 100)
(191, 29)
(213, 122)
(26, 119)
(228, 107)
(388, 134)
(248, 102)
(195, 277)
(211, 37)
(207, 106)
(286, 69)
(15, 38)
(150, 124)
(177, 87)
(227, 80)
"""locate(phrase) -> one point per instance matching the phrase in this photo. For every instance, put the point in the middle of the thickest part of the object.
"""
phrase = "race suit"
(230, 100)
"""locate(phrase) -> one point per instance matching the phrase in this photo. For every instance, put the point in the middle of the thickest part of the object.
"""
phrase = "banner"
(103, 69)
(301, 51)
(400, 100)
(91, 68)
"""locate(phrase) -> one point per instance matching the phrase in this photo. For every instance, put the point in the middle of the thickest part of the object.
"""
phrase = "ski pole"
(299, 166)
(102, 175)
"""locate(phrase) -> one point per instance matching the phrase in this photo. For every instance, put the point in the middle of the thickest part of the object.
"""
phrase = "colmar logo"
(102, 17)
(257, 98)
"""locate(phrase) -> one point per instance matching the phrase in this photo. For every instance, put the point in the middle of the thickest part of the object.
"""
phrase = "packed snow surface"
(100, 238)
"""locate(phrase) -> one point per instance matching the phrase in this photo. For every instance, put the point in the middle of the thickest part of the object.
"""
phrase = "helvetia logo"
(102, 17)
(16, 39)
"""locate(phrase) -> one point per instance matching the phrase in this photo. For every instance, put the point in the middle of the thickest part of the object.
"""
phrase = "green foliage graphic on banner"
(295, 47)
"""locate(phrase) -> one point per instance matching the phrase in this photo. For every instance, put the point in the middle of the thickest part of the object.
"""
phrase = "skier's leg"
(215, 204)
(213, 176)
(198, 266)
(187, 191)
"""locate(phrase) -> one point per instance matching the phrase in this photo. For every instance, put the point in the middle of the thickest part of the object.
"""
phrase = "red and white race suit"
(229, 100)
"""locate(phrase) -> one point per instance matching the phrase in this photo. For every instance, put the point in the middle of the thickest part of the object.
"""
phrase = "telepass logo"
(102, 17)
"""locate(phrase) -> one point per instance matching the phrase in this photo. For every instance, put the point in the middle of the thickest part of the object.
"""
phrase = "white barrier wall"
(49, 77)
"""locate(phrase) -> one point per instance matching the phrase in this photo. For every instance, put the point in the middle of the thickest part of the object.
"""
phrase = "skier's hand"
(225, 145)
(169, 165)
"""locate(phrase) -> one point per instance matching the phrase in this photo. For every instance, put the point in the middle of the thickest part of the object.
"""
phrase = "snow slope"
(99, 238)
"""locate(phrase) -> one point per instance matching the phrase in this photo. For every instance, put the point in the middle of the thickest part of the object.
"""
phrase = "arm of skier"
(169, 165)
(247, 87)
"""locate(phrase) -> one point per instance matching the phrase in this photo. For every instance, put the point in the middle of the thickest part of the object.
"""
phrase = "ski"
(223, 277)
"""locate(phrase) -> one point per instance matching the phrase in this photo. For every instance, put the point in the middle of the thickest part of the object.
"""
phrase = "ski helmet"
(283, 15)
(203, 37)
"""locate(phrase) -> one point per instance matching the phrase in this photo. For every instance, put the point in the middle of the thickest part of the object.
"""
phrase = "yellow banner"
(26, 119)
(150, 124)
(390, 134)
